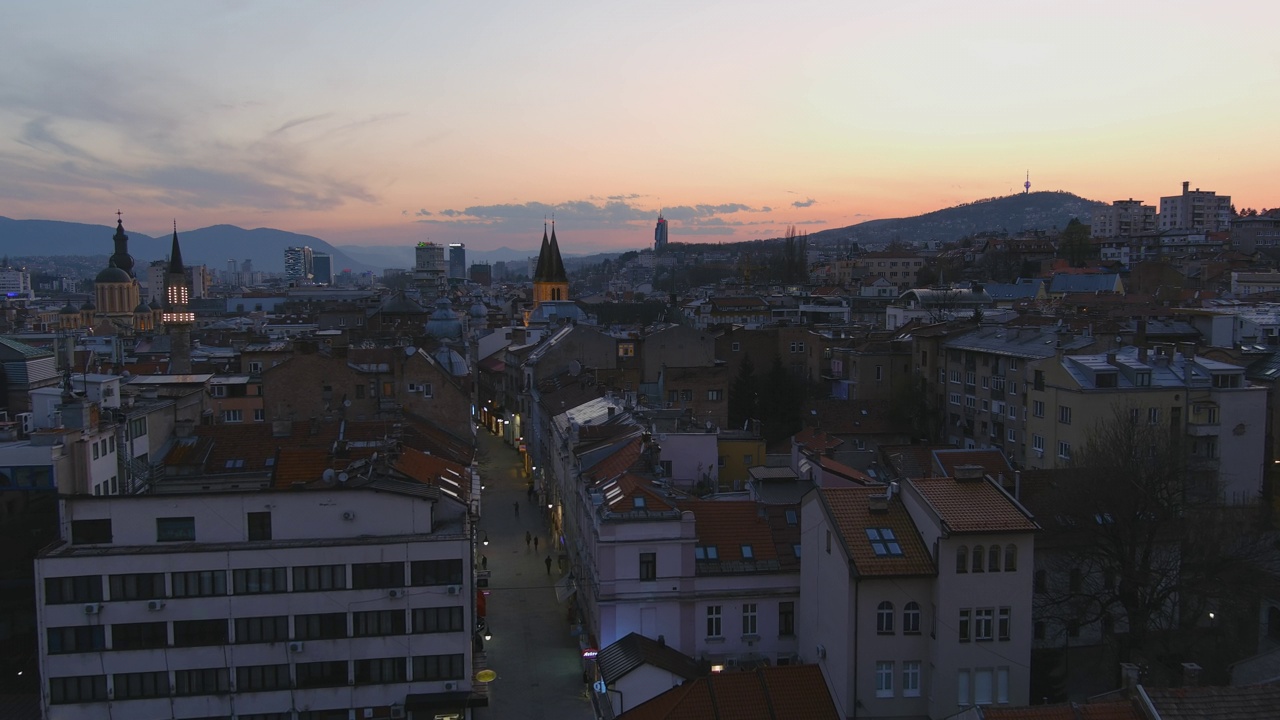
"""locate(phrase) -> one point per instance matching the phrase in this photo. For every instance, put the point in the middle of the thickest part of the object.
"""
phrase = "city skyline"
(392, 123)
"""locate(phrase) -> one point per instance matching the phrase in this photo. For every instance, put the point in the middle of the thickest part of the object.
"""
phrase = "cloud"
(423, 213)
(804, 203)
(631, 196)
(452, 213)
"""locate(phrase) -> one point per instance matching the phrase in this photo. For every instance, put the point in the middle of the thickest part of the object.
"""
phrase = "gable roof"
(1249, 702)
(731, 524)
(993, 462)
(450, 477)
(634, 650)
(770, 693)
(976, 506)
(1117, 710)
(850, 512)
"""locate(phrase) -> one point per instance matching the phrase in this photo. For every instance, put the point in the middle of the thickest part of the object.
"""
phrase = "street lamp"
(486, 539)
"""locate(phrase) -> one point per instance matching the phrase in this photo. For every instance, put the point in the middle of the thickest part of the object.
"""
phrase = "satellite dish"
(708, 424)
(575, 368)
(343, 478)
(328, 476)
(346, 403)
(410, 351)
(373, 457)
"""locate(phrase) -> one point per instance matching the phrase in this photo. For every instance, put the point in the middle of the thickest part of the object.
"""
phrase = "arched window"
(962, 559)
(993, 559)
(1010, 558)
(911, 618)
(884, 618)
(977, 558)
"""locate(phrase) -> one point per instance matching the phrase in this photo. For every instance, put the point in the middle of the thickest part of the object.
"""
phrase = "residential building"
(226, 603)
(299, 264)
(1255, 231)
(1201, 210)
(15, 284)
(1123, 218)
(783, 692)
(429, 269)
(900, 268)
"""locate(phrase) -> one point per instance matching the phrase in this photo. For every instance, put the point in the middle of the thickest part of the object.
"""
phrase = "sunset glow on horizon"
(388, 123)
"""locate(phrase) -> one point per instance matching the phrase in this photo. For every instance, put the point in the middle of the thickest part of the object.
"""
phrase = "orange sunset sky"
(385, 123)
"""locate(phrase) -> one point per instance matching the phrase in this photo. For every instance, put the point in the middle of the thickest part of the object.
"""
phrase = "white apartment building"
(321, 604)
(1123, 218)
(15, 284)
(1200, 210)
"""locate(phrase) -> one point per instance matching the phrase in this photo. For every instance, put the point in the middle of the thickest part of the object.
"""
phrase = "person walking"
(484, 562)
(516, 505)
(527, 539)
(548, 562)
(535, 543)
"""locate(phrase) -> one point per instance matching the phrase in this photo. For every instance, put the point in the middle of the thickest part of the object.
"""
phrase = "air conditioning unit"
(395, 593)
(450, 686)
(25, 419)
(348, 515)
(453, 589)
(297, 647)
(397, 712)
(155, 604)
(92, 608)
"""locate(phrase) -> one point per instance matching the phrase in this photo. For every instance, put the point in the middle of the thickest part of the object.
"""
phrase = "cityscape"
(822, 361)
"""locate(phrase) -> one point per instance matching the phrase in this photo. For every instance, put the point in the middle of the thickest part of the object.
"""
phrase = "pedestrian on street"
(548, 562)
(530, 493)
(535, 544)
(516, 505)
(484, 562)
(527, 539)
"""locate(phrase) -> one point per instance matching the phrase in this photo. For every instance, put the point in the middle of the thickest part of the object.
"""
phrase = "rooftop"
(768, 693)
(975, 506)
(850, 512)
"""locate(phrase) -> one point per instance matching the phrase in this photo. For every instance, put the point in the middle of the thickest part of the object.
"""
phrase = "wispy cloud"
(617, 212)
(809, 202)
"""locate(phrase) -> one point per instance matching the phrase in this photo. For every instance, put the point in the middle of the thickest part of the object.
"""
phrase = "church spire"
(540, 272)
(175, 253)
(555, 264)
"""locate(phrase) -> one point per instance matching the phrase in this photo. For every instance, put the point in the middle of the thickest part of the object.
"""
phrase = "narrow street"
(538, 662)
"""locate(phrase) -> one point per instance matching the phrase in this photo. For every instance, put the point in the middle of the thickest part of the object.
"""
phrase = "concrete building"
(15, 284)
(1199, 210)
(660, 237)
(322, 268)
(1123, 218)
(457, 261)
(259, 604)
(299, 264)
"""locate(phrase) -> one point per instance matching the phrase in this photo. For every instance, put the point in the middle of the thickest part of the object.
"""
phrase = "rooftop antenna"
(1026, 186)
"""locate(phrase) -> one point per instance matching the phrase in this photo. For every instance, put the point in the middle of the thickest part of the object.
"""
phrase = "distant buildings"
(322, 268)
(1124, 218)
(457, 261)
(429, 269)
(299, 264)
(1201, 210)
(15, 283)
(660, 235)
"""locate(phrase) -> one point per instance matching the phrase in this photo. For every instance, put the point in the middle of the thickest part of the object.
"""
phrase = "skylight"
(747, 552)
(883, 542)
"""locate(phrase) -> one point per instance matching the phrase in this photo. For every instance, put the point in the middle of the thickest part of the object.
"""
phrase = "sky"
(388, 123)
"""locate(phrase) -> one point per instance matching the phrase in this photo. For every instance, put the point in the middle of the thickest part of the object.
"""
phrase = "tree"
(743, 399)
(913, 406)
(1073, 244)
(781, 398)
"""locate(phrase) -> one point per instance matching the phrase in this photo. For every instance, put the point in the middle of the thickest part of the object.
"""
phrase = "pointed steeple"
(122, 259)
(175, 253)
(540, 272)
(555, 264)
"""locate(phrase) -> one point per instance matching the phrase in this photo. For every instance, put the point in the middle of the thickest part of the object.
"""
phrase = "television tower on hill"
(1026, 186)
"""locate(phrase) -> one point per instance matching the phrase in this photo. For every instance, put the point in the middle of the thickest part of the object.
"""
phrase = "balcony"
(1204, 429)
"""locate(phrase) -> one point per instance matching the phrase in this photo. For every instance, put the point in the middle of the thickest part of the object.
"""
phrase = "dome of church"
(478, 310)
(113, 274)
(444, 323)
(142, 308)
(70, 309)
(450, 360)
(88, 305)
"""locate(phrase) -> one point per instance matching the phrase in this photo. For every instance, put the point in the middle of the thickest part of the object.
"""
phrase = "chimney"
(1130, 675)
(1140, 337)
(1142, 355)
(969, 473)
(1190, 674)
(1017, 485)
(1186, 185)
(878, 503)
(281, 428)
(1111, 358)
(184, 428)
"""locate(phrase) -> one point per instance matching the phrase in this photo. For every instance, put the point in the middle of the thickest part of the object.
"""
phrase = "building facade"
(1199, 210)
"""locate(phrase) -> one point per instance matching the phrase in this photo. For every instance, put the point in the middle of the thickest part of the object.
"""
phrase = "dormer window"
(637, 503)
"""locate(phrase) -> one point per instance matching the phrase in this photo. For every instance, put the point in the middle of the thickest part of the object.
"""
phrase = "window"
(748, 553)
(175, 529)
(883, 541)
(1039, 380)
(437, 667)
(319, 577)
(137, 427)
(879, 373)
(884, 679)
(129, 686)
(955, 376)
(138, 586)
(95, 451)
(978, 558)
(259, 415)
(1037, 443)
(1064, 415)
(993, 559)
(380, 670)
(686, 395)
(713, 621)
(195, 633)
(982, 687)
(262, 629)
(962, 688)
(1064, 450)
(982, 623)
(648, 566)
(748, 460)
(1010, 558)
(1153, 416)
(911, 678)
(324, 626)
(377, 622)
(954, 398)
(735, 347)
(437, 619)
(970, 378)
(90, 532)
(218, 391)
(791, 517)
(1037, 408)
(1003, 623)
(255, 367)
(139, 636)
(259, 524)
(962, 559)
(426, 390)
(83, 638)
(205, 681)
(1013, 434)
(786, 618)
(797, 347)
(435, 572)
(963, 627)
(377, 575)
(911, 619)
(80, 689)
(749, 618)
(199, 583)
(257, 678)
(715, 395)
(884, 618)
(1002, 685)
(232, 416)
(706, 552)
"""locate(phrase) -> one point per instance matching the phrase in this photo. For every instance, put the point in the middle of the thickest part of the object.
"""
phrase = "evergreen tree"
(781, 399)
(744, 404)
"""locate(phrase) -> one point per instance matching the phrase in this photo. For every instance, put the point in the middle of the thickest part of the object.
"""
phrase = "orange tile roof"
(792, 692)
(816, 440)
(300, 465)
(429, 469)
(975, 506)
(1122, 710)
(850, 514)
(617, 463)
(843, 471)
(620, 494)
(731, 524)
(993, 462)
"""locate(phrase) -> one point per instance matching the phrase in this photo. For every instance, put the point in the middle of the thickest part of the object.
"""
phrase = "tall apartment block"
(1124, 218)
(1196, 210)
(299, 263)
(457, 260)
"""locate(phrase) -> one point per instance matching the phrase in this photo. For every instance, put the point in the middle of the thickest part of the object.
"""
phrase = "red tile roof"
(975, 506)
(1249, 702)
(850, 513)
(993, 462)
(300, 465)
(816, 440)
(731, 524)
(620, 495)
(429, 469)
(834, 471)
(617, 463)
(792, 692)
(1122, 710)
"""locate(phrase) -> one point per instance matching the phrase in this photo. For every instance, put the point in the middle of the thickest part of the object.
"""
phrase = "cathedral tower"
(550, 282)
(177, 317)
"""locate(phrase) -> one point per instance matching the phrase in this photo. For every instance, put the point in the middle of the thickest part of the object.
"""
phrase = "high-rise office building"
(429, 268)
(457, 260)
(322, 268)
(298, 262)
(660, 235)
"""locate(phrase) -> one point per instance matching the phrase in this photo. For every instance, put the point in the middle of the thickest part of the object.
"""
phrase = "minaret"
(177, 316)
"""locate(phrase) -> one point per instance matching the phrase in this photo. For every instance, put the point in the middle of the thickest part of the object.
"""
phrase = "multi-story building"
(1200, 210)
(1256, 231)
(259, 605)
(429, 268)
(1123, 218)
(1206, 403)
(299, 264)
(660, 235)
(899, 268)
(322, 268)
(457, 261)
(917, 604)
(15, 283)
